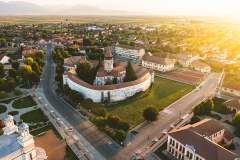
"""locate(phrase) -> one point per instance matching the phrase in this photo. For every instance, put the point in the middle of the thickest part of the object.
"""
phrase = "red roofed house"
(25, 52)
(200, 142)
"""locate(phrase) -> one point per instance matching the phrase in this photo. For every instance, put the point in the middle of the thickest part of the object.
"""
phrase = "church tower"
(108, 60)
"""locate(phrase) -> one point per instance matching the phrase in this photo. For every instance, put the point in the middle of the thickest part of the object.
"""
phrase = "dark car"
(134, 131)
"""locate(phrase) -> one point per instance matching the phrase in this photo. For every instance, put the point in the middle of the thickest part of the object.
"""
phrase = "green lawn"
(27, 102)
(217, 104)
(164, 93)
(44, 129)
(32, 116)
(159, 153)
(13, 113)
(70, 154)
(2, 109)
(7, 101)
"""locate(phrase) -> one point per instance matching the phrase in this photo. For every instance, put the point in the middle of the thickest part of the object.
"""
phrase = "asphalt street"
(98, 141)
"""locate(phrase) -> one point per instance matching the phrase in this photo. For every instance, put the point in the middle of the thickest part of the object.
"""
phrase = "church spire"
(108, 53)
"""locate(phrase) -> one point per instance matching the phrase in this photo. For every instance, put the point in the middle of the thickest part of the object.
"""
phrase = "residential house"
(200, 141)
(233, 105)
(184, 60)
(231, 88)
(200, 66)
(157, 63)
(71, 62)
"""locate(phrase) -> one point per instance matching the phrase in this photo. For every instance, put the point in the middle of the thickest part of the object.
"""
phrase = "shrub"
(195, 119)
(17, 92)
(58, 91)
(102, 112)
(224, 109)
(120, 136)
(88, 104)
(113, 121)
(123, 125)
(67, 90)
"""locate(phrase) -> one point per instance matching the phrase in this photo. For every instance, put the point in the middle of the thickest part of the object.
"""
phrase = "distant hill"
(19, 7)
(23, 8)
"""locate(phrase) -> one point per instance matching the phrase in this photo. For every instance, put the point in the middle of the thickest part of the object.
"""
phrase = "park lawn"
(3, 109)
(70, 154)
(32, 116)
(164, 93)
(159, 151)
(217, 104)
(13, 113)
(44, 129)
(27, 102)
(7, 101)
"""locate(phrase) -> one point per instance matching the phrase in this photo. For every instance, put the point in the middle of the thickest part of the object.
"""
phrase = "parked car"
(134, 131)
(70, 129)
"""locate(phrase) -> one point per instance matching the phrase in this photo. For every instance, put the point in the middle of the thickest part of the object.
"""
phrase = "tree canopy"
(130, 73)
(150, 113)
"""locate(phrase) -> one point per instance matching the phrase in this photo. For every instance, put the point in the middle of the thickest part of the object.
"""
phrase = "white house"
(200, 66)
(184, 60)
(231, 88)
(129, 51)
(5, 60)
(157, 63)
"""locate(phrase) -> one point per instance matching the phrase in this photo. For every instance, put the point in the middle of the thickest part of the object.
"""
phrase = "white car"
(70, 129)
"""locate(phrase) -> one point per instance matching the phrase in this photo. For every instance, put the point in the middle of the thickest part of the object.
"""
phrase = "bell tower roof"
(108, 53)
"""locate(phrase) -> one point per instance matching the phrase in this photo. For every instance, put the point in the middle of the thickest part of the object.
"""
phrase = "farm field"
(164, 93)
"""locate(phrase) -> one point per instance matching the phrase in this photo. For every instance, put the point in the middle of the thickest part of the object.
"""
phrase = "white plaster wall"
(115, 95)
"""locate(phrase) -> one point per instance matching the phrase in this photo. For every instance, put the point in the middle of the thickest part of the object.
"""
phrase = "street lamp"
(148, 139)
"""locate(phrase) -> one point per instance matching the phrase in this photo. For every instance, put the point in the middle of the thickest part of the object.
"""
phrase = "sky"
(159, 7)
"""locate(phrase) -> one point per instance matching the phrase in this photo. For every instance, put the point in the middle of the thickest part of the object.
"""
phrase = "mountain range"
(25, 8)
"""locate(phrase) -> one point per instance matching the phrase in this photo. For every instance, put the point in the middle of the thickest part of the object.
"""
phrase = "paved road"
(97, 140)
(99, 146)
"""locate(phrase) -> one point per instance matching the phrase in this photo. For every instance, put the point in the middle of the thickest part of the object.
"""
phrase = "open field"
(164, 93)
(37, 19)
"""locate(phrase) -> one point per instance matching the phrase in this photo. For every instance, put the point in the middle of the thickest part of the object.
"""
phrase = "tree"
(108, 83)
(209, 105)
(40, 54)
(102, 112)
(120, 136)
(130, 73)
(24, 70)
(15, 65)
(158, 41)
(178, 49)
(35, 67)
(78, 97)
(123, 125)
(195, 119)
(58, 78)
(3, 95)
(17, 92)
(28, 61)
(88, 104)
(33, 77)
(150, 113)
(115, 80)
(1, 69)
(100, 64)
(12, 73)
(84, 71)
(132, 44)
(10, 85)
(71, 94)
(224, 109)
(65, 54)
(100, 122)
(113, 121)
(236, 120)
(196, 110)
(58, 91)
(67, 90)
(168, 48)
(44, 35)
